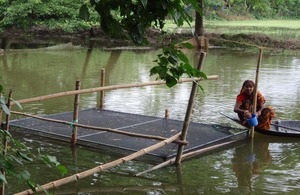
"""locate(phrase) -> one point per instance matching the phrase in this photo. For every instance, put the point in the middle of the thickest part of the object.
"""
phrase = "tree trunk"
(199, 31)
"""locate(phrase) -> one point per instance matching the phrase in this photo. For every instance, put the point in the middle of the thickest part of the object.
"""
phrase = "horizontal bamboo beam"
(184, 156)
(76, 177)
(91, 90)
(100, 128)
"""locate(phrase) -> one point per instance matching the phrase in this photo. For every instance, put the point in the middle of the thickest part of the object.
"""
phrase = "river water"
(269, 166)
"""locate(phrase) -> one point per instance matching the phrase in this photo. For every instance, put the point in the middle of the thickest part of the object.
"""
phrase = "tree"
(130, 19)
(199, 29)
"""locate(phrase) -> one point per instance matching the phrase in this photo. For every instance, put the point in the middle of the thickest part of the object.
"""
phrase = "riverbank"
(36, 37)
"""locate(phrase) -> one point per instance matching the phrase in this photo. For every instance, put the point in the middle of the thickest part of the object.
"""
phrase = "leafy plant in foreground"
(16, 154)
(173, 63)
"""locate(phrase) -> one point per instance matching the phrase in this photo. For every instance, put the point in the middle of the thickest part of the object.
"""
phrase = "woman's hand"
(247, 114)
(258, 113)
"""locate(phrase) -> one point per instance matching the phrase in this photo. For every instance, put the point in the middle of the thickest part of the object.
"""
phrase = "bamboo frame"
(166, 114)
(0, 114)
(91, 90)
(100, 128)
(184, 156)
(102, 83)
(75, 115)
(76, 177)
(186, 122)
(255, 90)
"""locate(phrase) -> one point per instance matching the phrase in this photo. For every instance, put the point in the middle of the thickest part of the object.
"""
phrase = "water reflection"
(34, 73)
(248, 160)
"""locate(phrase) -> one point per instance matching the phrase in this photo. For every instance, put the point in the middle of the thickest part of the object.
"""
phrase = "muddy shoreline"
(156, 39)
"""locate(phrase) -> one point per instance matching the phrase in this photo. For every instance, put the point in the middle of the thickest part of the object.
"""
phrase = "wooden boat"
(284, 128)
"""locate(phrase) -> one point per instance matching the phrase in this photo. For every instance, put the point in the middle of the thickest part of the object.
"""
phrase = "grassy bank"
(273, 35)
(280, 29)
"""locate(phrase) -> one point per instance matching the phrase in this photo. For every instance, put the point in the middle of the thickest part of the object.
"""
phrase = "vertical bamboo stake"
(5, 144)
(75, 115)
(189, 111)
(166, 114)
(102, 83)
(255, 89)
(0, 114)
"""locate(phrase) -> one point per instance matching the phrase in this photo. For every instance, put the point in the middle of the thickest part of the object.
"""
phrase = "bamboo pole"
(186, 122)
(76, 177)
(120, 189)
(255, 90)
(5, 142)
(0, 114)
(102, 83)
(91, 90)
(75, 115)
(184, 156)
(100, 128)
(166, 114)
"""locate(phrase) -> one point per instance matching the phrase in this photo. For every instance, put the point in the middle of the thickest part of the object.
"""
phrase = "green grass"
(291, 24)
(282, 29)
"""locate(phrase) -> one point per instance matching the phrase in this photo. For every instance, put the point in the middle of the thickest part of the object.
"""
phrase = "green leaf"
(2, 100)
(186, 45)
(84, 12)
(31, 184)
(183, 57)
(144, 2)
(25, 174)
(17, 103)
(2, 178)
(170, 81)
(24, 156)
(17, 160)
(5, 109)
(63, 170)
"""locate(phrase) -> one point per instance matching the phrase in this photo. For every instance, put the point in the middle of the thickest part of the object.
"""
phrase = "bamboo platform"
(199, 135)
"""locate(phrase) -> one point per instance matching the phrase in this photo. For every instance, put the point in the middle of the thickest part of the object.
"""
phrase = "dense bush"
(64, 14)
(60, 14)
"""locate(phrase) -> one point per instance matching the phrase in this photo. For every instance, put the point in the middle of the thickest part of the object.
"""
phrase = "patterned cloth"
(265, 119)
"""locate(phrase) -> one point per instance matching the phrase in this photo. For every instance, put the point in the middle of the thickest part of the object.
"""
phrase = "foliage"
(3, 101)
(121, 18)
(132, 16)
(131, 19)
(173, 63)
(260, 9)
(49, 13)
(17, 154)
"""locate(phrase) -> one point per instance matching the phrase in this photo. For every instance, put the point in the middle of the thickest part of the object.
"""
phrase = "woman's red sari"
(265, 119)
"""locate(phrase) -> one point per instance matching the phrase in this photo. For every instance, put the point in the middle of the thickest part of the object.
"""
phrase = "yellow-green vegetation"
(284, 29)
(293, 24)
(281, 29)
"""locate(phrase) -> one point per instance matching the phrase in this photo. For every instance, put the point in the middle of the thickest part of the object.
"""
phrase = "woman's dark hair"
(246, 82)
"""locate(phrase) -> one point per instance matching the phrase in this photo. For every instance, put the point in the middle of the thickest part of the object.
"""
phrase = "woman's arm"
(245, 113)
(258, 111)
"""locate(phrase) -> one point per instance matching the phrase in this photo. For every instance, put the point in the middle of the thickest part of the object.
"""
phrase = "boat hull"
(285, 128)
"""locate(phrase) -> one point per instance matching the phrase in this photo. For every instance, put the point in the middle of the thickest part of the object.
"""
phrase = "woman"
(244, 106)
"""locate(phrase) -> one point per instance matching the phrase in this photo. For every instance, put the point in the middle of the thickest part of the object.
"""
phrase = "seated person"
(244, 106)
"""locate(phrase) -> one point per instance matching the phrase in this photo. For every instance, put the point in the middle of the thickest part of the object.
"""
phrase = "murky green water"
(270, 167)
